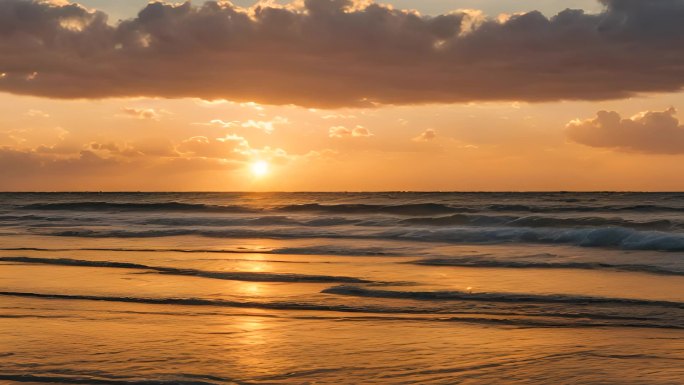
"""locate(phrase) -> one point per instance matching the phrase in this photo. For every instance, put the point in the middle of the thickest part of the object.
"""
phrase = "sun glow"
(260, 168)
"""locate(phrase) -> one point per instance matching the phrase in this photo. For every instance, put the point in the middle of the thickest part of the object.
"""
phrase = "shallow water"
(336, 288)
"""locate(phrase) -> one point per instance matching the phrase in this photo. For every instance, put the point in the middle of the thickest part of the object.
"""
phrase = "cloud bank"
(647, 132)
(336, 53)
(71, 161)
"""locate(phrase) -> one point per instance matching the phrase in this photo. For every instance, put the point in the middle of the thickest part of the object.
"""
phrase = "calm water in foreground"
(302, 288)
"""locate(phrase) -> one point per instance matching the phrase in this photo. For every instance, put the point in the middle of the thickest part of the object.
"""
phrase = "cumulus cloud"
(230, 146)
(220, 123)
(253, 105)
(426, 136)
(647, 132)
(114, 149)
(334, 53)
(267, 126)
(143, 113)
(344, 132)
(37, 114)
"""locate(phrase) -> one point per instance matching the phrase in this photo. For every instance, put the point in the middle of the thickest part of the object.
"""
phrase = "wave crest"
(616, 237)
(129, 206)
(358, 291)
(517, 264)
(224, 275)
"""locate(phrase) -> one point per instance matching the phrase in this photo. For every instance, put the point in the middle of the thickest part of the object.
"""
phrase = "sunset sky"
(337, 95)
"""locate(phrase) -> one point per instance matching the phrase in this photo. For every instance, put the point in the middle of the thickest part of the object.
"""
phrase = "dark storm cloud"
(333, 53)
(648, 132)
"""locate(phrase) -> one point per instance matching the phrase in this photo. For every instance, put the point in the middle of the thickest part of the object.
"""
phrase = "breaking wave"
(540, 221)
(615, 237)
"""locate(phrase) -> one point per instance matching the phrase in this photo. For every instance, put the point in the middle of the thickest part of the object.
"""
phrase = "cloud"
(335, 53)
(113, 149)
(22, 163)
(256, 106)
(37, 114)
(30, 169)
(325, 154)
(265, 126)
(338, 116)
(65, 164)
(426, 136)
(647, 132)
(228, 147)
(143, 113)
(219, 123)
(344, 132)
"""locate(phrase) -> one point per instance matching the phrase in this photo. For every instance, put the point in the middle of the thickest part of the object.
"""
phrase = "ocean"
(342, 288)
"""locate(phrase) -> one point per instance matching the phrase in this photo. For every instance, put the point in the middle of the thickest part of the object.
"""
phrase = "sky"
(342, 95)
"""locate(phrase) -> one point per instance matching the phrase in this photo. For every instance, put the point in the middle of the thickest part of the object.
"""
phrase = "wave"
(545, 318)
(44, 379)
(567, 208)
(493, 263)
(222, 303)
(339, 250)
(474, 261)
(615, 237)
(273, 220)
(129, 206)
(13, 218)
(407, 209)
(475, 220)
(404, 209)
(232, 276)
(539, 221)
(437, 208)
(358, 291)
(311, 250)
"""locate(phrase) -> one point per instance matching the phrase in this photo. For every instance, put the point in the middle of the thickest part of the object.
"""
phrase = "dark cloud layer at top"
(333, 53)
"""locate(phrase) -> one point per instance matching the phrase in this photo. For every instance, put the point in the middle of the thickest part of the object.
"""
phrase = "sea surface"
(342, 288)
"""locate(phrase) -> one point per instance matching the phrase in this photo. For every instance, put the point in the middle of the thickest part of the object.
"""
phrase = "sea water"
(342, 288)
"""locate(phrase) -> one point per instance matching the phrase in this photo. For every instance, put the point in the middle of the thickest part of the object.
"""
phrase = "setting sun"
(260, 168)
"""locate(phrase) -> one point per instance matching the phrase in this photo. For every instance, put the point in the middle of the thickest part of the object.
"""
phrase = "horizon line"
(342, 192)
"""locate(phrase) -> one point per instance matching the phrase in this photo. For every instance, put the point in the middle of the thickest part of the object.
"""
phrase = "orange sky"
(387, 100)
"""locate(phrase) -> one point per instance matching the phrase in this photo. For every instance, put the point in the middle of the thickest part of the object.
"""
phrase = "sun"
(259, 168)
